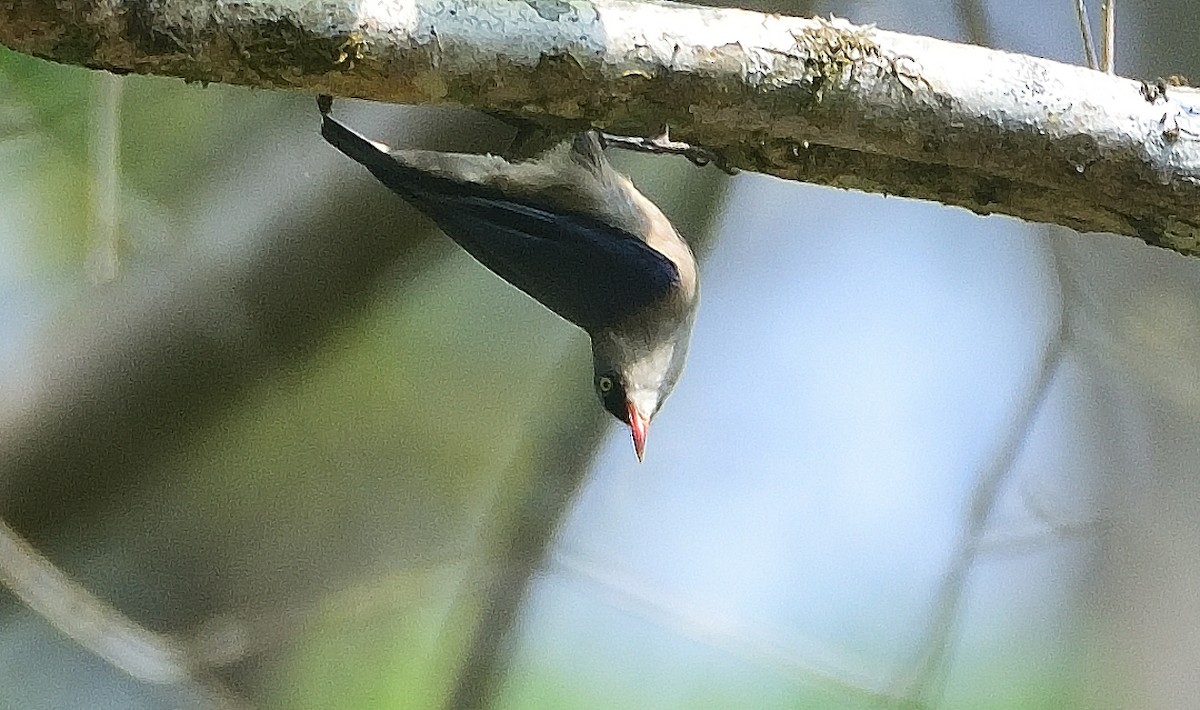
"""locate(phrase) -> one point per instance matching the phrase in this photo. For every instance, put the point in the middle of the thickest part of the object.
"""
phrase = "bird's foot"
(663, 145)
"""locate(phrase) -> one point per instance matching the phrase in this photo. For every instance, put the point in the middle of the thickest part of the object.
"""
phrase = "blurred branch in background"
(152, 357)
(158, 353)
(625, 591)
(98, 627)
(104, 254)
(519, 538)
(816, 100)
(923, 687)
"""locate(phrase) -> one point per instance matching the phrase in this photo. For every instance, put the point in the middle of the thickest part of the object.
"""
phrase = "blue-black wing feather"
(582, 268)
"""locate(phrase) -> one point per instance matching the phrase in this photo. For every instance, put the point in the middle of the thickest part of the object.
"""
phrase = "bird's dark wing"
(580, 267)
(588, 272)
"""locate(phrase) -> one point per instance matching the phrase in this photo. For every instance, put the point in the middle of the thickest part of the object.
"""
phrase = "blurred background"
(919, 458)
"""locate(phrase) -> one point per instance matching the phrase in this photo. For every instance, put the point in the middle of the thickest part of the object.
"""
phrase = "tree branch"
(805, 99)
(100, 628)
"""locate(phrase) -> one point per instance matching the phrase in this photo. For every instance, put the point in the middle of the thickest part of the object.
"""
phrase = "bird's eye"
(605, 383)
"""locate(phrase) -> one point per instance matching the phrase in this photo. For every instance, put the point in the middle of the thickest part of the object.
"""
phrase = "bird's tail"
(406, 181)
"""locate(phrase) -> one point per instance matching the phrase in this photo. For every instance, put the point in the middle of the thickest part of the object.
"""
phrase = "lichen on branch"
(805, 99)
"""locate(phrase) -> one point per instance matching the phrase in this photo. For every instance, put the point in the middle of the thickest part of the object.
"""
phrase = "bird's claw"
(663, 145)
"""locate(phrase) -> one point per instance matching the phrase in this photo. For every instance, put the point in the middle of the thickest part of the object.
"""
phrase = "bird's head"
(633, 380)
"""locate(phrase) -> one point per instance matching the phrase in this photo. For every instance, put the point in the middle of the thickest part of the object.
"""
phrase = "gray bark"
(805, 99)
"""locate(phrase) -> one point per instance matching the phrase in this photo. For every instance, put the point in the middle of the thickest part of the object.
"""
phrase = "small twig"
(973, 16)
(85, 618)
(823, 668)
(925, 684)
(95, 625)
(105, 159)
(1085, 31)
(1108, 24)
(518, 535)
(663, 145)
(1056, 525)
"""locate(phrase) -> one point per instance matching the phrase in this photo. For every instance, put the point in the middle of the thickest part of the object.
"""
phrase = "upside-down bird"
(577, 236)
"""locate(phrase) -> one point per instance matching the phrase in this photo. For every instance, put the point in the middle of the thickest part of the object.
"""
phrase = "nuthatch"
(577, 236)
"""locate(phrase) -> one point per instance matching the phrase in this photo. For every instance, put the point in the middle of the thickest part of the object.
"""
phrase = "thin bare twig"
(520, 540)
(1108, 24)
(1085, 31)
(625, 592)
(84, 618)
(105, 158)
(924, 686)
(96, 625)
(973, 16)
